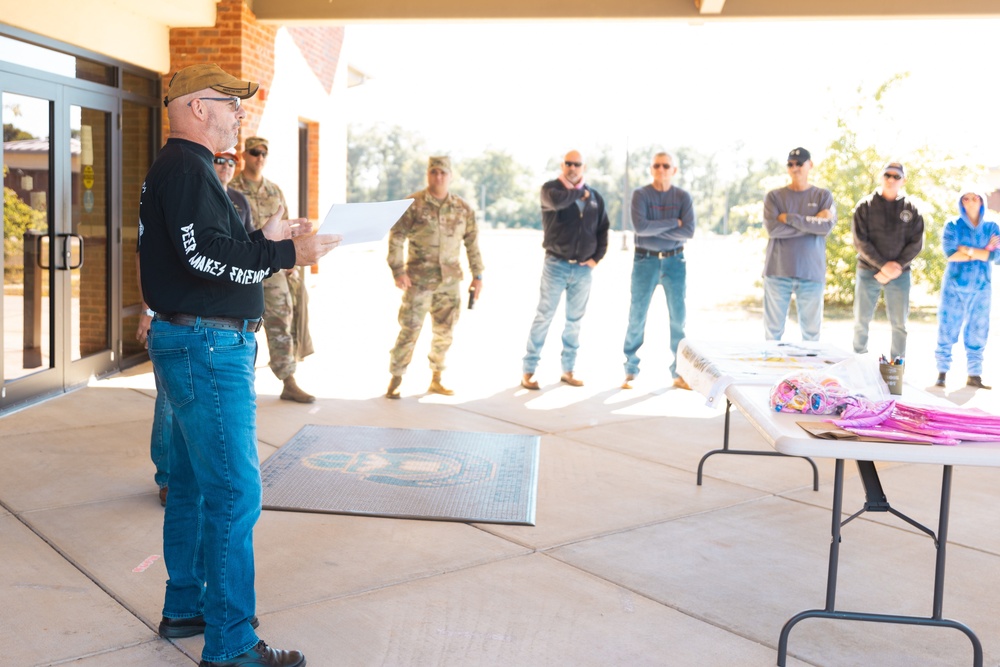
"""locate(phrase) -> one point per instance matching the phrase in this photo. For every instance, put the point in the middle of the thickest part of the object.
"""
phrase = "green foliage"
(852, 171)
(18, 217)
(11, 133)
(384, 163)
(510, 196)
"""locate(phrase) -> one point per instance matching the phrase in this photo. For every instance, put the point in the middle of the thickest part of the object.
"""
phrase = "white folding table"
(786, 437)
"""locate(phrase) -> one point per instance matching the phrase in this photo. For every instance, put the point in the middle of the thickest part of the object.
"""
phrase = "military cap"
(442, 162)
(253, 142)
(207, 75)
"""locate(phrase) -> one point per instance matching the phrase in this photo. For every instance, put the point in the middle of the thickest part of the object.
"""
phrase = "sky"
(539, 89)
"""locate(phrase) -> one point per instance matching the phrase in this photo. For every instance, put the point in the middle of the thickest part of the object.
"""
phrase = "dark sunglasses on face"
(570, 163)
(257, 152)
(660, 165)
(894, 177)
(226, 161)
(795, 163)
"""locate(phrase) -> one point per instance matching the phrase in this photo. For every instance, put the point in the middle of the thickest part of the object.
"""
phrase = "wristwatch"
(969, 250)
(150, 312)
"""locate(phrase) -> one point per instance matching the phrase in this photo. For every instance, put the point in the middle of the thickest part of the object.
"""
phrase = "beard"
(225, 131)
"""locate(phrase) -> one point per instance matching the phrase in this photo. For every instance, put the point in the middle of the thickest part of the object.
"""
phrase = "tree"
(11, 133)
(384, 163)
(511, 199)
(18, 217)
(852, 171)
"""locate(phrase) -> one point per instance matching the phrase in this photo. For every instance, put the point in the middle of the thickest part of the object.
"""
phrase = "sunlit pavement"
(630, 562)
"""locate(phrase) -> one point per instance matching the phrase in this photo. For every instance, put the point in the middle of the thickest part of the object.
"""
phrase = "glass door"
(56, 323)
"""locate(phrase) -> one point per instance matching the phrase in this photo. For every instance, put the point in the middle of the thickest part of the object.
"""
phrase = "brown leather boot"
(438, 388)
(393, 390)
(528, 381)
(292, 392)
(568, 378)
(627, 384)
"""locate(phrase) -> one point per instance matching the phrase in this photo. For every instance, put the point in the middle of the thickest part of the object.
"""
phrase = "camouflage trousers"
(286, 321)
(444, 304)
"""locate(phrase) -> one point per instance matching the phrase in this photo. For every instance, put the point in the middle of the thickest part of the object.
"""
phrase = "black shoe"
(977, 382)
(261, 655)
(176, 628)
(940, 380)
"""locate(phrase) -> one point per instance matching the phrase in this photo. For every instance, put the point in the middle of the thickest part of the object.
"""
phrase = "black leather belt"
(561, 259)
(662, 255)
(229, 323)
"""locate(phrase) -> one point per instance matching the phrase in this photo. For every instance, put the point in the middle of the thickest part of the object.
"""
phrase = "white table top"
(782, 433)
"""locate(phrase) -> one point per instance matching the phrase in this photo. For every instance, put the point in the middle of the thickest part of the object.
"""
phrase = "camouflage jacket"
(263, 198)
(436, 232)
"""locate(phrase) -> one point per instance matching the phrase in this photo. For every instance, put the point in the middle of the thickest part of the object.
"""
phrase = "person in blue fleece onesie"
(970, 243)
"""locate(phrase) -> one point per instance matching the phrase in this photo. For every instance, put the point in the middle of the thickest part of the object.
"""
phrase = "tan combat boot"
(292, 392)
(393, 390)
(438, 388)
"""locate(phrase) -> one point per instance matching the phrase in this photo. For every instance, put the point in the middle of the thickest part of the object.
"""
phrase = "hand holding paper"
(359, 223)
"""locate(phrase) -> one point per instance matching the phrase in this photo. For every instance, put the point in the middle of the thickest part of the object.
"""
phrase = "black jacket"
(887, 231)
(573, 232)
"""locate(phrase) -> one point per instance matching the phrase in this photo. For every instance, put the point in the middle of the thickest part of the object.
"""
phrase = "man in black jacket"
(888, 234)
(575, 225)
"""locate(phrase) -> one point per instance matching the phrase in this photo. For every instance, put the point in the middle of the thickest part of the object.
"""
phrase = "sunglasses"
(660, 165)
(795, 163)
(569, 163)
(257, 152)
(225, 161)
(895, 177)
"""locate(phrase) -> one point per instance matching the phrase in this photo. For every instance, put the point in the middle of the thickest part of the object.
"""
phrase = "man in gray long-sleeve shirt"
(888, 234)
(798, 218)
(663, 219)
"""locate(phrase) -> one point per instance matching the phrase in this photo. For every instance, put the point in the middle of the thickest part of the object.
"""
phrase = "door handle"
(67, 251)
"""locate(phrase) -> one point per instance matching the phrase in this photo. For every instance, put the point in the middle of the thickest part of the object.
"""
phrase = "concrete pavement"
(630, 562)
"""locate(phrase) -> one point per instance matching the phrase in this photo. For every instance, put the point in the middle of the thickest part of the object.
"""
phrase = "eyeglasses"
(970, 197)
(257, 152)
(795, 163)
(225, 161)
(570, 163)
(660, 165)
(234, 102)
(895, 177)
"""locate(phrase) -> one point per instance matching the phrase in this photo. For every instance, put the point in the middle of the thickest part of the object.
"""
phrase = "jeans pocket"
(223, 340)
(173, 369)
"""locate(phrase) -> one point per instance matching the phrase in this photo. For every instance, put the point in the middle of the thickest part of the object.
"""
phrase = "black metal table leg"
(750, 452)
(875, 501)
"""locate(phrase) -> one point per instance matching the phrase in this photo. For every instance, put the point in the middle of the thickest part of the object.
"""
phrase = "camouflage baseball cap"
(442, 162)
(254, 142)
(207, 75)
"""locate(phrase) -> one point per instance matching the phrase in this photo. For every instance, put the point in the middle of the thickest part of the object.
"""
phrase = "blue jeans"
(808, 302)
(897, 307)
(647, 273)
(159, 437)
(559, 276)
(958, 308)
(207, 376)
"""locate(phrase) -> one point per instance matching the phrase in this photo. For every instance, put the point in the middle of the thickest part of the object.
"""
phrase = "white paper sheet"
(363, 222)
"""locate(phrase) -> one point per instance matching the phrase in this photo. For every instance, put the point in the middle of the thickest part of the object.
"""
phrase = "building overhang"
(347, 11)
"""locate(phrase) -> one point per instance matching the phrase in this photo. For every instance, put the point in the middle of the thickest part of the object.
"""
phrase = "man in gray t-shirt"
(798, 217)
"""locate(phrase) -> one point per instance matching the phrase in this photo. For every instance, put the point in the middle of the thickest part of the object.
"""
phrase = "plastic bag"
(852, 382)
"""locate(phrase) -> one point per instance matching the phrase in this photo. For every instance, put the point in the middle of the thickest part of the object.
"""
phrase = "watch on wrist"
(969, 250)
(150, 312)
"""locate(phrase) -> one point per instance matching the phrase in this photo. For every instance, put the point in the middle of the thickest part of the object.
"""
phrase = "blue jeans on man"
(159, 437)
(207, 375)
(778, 292)
(648, 271)
(897, 307)
(558, 276)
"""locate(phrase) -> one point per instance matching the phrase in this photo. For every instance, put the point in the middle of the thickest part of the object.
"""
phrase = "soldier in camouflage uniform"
(436, 226)
(285, 298)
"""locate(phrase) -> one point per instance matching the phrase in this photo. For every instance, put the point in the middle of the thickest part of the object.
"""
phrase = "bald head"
(573, 167)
